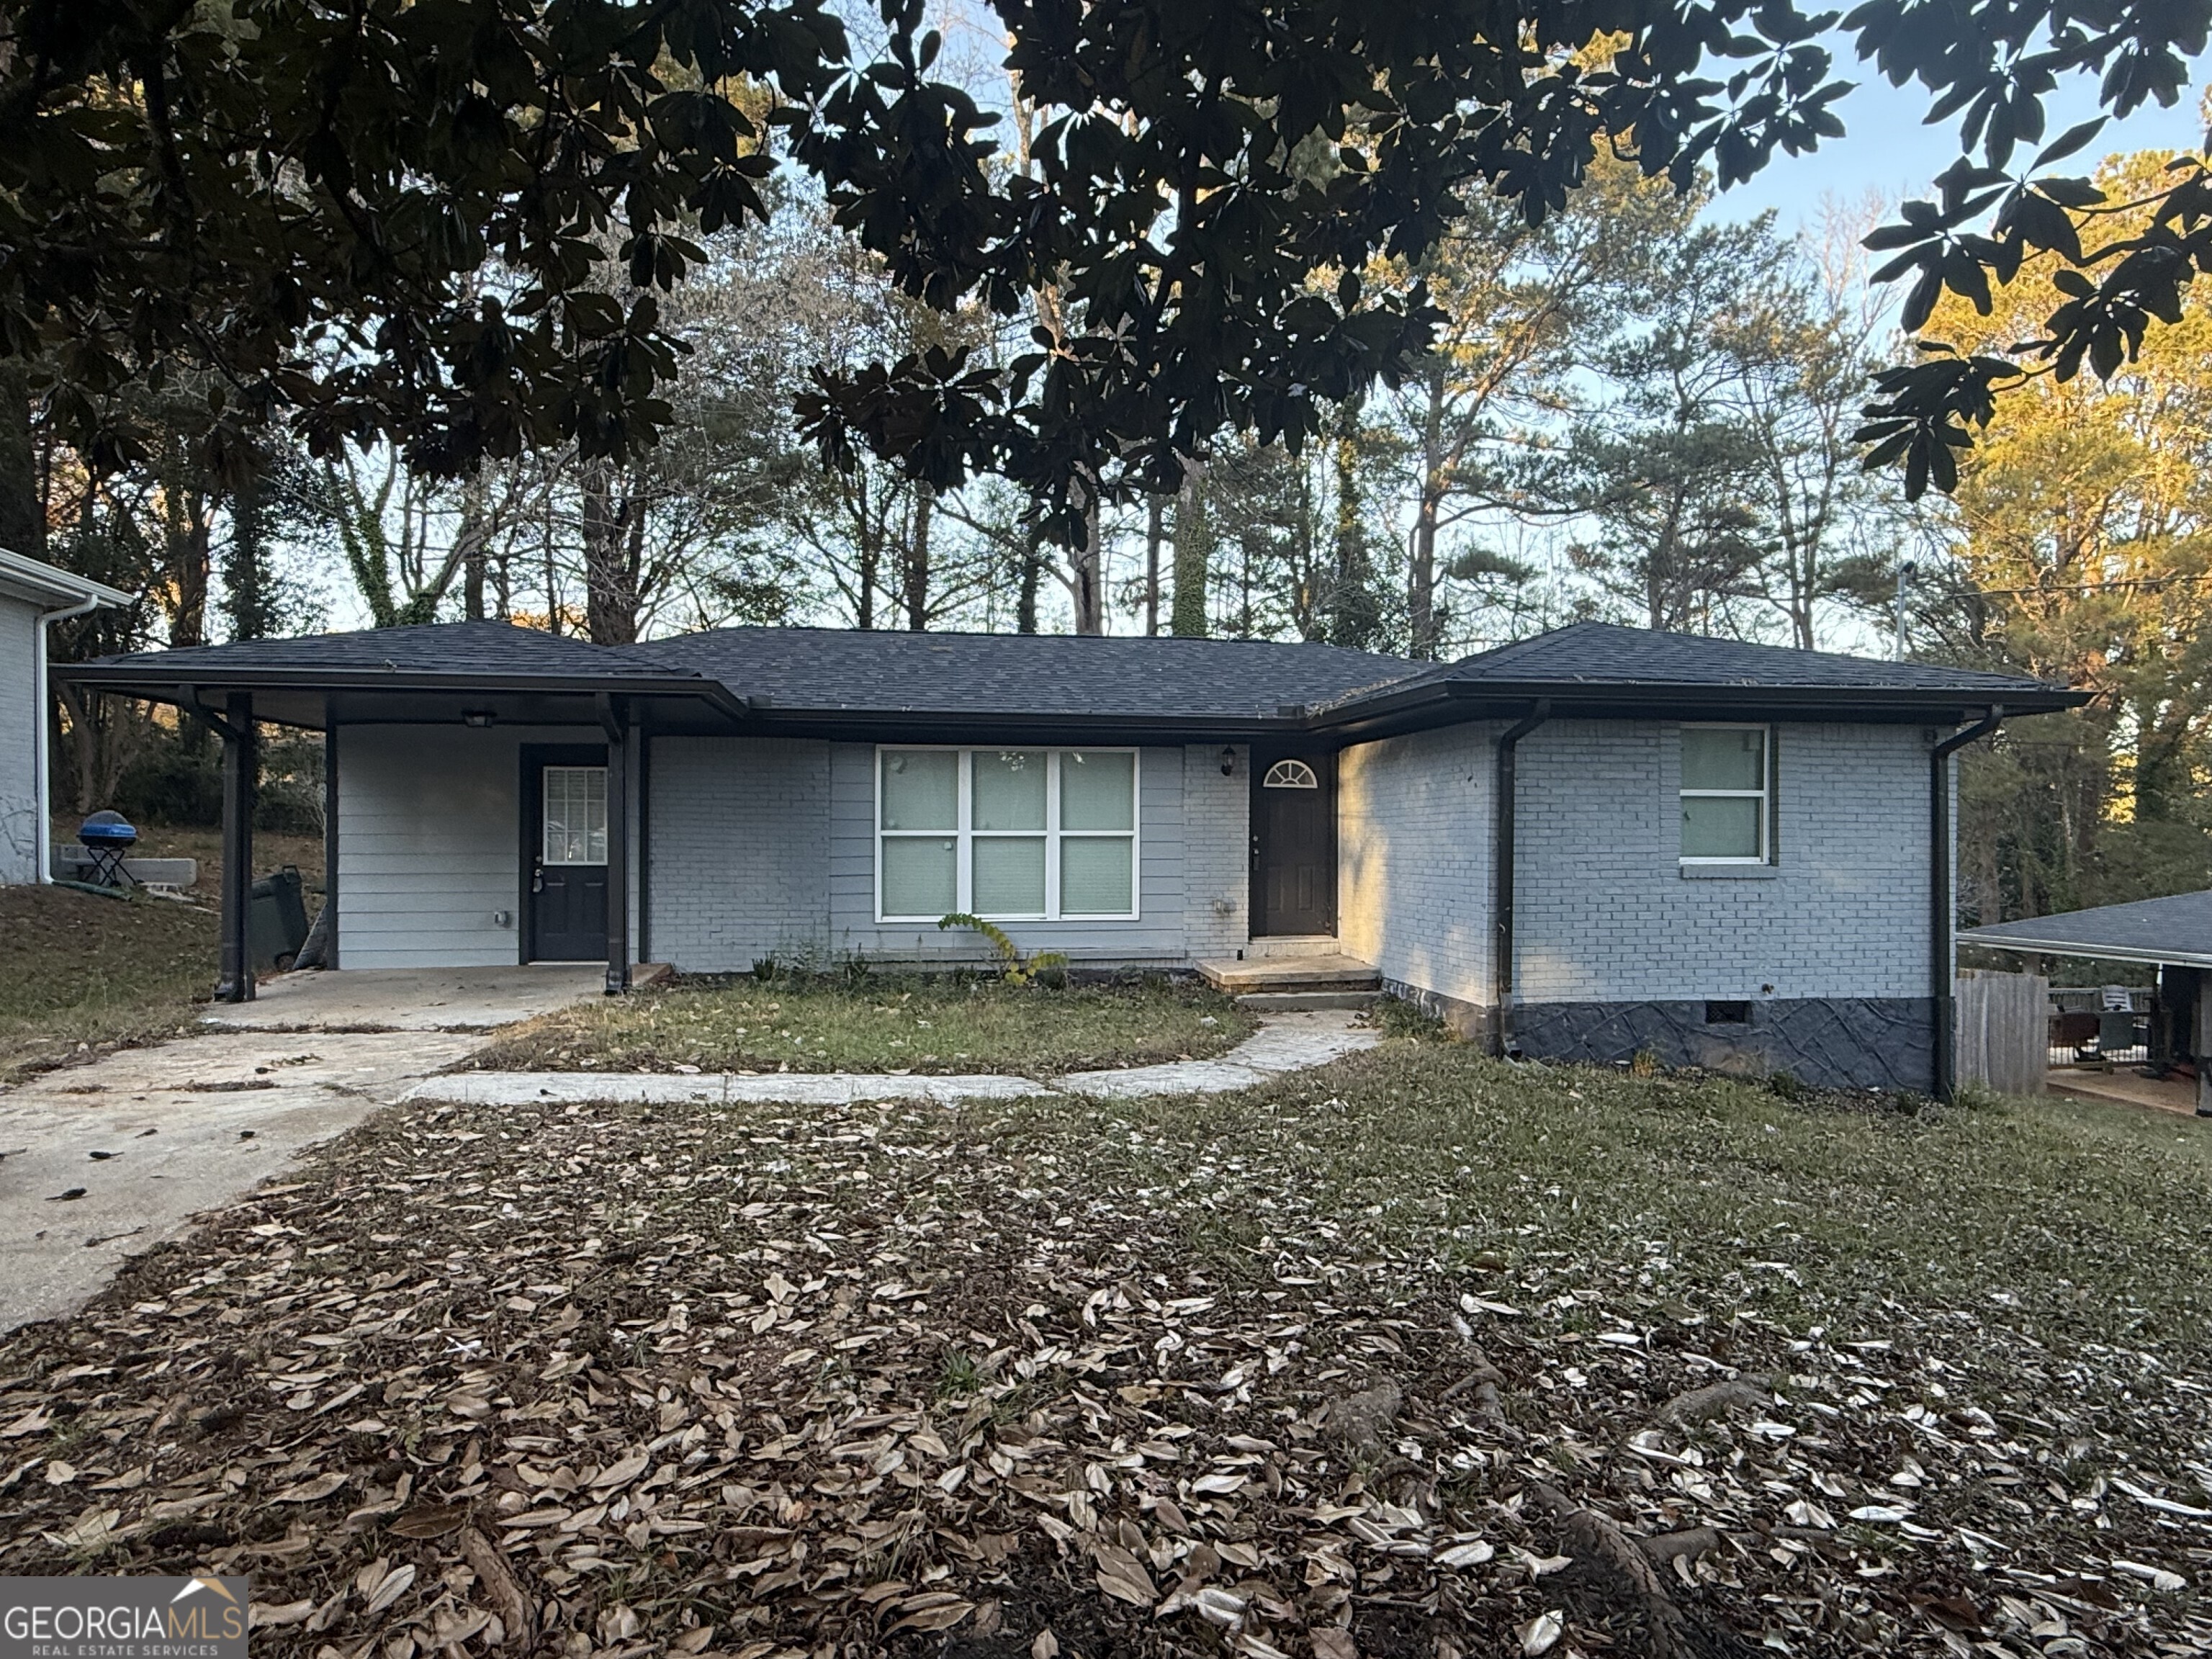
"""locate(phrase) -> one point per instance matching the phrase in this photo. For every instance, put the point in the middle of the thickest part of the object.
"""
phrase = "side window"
(1727, 794)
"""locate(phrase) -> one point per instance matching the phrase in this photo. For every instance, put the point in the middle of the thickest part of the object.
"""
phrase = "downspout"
(42, 699)
(1941, 919)
(1502, 872)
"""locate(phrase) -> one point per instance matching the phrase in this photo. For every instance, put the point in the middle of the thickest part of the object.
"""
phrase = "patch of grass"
(2068, 1222)
(76, 969)
(886, 1025)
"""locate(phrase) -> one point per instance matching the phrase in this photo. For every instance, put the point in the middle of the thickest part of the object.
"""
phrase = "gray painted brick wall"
(766, 846)
(1414, 859)
(1603, 912)
(740, 830)
(1217, 850)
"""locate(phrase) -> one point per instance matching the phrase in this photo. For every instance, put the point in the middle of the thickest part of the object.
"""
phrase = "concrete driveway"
(100, 1162)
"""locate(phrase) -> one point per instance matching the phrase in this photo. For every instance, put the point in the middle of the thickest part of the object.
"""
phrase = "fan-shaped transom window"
(1290, 774)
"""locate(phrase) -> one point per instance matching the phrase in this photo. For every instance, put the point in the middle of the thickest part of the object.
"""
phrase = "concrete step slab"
(1335, 972)
(1292, 1002)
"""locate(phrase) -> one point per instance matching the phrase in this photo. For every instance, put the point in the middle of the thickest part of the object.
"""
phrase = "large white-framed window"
(1009, 834)
(1728, 794)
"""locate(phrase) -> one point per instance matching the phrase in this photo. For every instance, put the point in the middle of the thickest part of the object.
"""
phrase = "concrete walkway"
(100, 1162)
(1284, 1042)
(411, 999)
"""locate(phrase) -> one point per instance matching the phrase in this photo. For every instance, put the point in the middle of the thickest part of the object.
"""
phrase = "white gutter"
(2059, 947)
(44, 581)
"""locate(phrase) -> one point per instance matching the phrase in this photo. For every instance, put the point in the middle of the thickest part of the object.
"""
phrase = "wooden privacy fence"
(2003, 1030)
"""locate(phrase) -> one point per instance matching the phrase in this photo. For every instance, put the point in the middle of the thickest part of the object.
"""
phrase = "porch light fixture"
(478, 717)
(1227, 761)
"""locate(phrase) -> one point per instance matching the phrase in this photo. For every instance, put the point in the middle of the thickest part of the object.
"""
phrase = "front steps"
(1276, 975)
(1299, 1002)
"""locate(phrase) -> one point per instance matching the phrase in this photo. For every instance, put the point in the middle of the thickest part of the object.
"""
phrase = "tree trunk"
(1031, 574)
(472, 570)
(1353, 616)
(23, 507)
(610, 586)
(1193, 553)
(1086, 567)
(916, 574)
(245, 571)
(1421, 567)
(185, 540)
(1155, 533)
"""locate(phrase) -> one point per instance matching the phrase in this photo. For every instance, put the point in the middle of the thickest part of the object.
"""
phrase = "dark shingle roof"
(845, 670)
(843, 680)
(443, 648)
(1603, 653)
(2177, 930)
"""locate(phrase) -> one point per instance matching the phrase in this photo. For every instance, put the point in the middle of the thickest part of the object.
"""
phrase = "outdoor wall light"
(1228, 762)
(478, 717)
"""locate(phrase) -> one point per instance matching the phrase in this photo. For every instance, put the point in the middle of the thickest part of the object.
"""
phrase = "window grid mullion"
(964, 833)
(1054, 759)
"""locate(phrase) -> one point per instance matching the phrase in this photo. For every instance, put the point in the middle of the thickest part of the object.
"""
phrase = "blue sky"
(1887, 150)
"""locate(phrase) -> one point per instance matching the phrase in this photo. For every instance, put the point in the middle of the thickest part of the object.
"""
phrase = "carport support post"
(240, 764)
(2201, 1042)
(614, 717)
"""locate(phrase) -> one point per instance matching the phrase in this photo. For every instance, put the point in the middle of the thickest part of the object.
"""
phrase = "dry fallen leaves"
(607, 1382)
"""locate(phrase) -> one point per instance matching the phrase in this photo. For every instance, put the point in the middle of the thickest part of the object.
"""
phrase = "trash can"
(276, 920)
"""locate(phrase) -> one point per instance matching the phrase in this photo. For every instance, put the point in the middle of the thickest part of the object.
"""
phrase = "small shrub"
(1046, 967)
(765, 969)
(1646, 1064)
(1788, 1085)
(1399, 1017)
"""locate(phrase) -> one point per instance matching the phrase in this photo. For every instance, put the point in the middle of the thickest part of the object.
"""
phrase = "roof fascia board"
(2094, 953)
(1447, 703)
(937, 726)
(155, 687)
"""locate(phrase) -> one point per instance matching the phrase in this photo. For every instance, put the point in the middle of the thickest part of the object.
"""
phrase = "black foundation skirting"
(1864, 1042)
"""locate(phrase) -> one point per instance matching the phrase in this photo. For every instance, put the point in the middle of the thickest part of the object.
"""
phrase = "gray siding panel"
(22, 706)
(1158, 934)
(429, 838)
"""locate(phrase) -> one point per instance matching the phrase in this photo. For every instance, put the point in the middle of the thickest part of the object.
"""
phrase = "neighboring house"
(2173, 934)
(1595, 843)
(32, 595)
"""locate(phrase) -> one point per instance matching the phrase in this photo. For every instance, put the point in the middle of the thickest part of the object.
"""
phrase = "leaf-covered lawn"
(81, 975)
(76, 968)
(1414, 1355)
(904, 1024)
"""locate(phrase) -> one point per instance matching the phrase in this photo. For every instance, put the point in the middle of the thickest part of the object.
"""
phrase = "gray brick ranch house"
(1596, 842)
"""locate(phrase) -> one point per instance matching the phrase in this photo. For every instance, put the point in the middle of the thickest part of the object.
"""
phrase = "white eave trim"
(2054, 947)
(29, 579)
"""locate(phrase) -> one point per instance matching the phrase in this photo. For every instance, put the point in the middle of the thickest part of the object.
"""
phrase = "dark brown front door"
(1294, 844)
(565, 846)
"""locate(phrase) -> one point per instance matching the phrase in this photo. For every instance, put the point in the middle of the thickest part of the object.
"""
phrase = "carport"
(480, 684)
(2172, 934)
